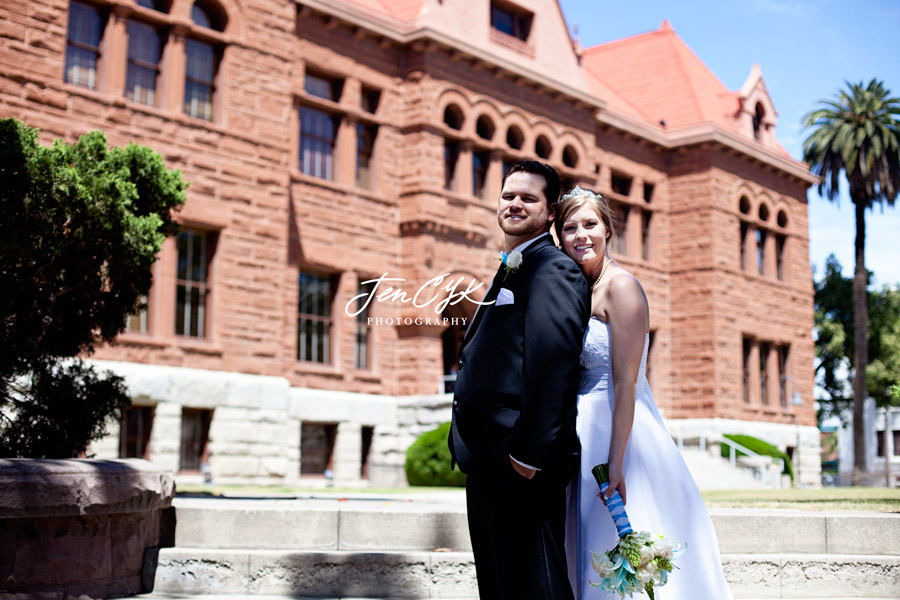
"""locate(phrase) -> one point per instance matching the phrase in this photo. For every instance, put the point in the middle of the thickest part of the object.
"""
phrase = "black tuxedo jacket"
(515, 392)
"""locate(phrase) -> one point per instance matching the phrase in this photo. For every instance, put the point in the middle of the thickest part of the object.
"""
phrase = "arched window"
(782, 219)
(202, 61)
(208, 14)
(514, 137)
(453, 117)
(484, 127)
(763, 212)
(747, 234)
(542, 147)
(570, 157)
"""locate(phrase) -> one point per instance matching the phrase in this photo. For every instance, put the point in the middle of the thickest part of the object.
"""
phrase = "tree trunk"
(860, 341)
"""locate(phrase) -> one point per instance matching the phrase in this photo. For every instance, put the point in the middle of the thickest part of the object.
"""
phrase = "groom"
(513, 428)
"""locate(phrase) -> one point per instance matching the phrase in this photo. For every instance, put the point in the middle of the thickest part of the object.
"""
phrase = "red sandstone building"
(331, 143)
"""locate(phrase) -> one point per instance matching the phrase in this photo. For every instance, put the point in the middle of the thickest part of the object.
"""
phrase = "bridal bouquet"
(639, 561)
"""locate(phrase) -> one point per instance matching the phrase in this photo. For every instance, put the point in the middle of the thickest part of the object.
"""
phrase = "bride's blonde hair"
(577, 198)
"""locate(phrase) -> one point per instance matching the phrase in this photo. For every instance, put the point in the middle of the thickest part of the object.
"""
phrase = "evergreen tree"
(80, 227)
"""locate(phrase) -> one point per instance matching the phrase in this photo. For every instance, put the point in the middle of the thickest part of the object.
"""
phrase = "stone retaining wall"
(81, 528)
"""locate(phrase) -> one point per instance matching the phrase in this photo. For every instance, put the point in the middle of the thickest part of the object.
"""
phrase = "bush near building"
(760, 447)
(428, 460)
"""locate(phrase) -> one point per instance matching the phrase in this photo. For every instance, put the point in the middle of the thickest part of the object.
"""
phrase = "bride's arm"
(628, 323)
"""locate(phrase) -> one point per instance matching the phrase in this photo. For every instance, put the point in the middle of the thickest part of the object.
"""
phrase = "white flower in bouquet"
(514, 259)
(663, 548)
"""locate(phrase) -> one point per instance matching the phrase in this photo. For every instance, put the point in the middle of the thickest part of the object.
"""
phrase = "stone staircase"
(712, 472)
(418, 547)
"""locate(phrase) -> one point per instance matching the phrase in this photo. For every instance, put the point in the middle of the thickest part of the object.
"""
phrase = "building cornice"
(423, 38)
(705, 133)
(405, 34)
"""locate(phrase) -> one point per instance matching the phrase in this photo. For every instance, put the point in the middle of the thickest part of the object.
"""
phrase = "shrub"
(428, 460)
(760, 447)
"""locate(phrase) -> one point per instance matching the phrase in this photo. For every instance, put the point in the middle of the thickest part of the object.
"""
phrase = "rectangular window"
(317, 449)
(365, 145)
(317, 137)
(480, 162)
(646, 216)
(621, 184)
(314, 321)
(761, 251)
(745, 231)
(763, 375)
(648, 192)
(134, 433)
(143, 63)
(451, 156)
(323, 87)
(194, 438)
(137, 321)
(620, 229)
(83, 45)
(363, 343)
(370, 99)
(779, 256)
(192, 283)
(200, 69)
(368, 434)
(748, 346)
(511, 21)
(784, 376)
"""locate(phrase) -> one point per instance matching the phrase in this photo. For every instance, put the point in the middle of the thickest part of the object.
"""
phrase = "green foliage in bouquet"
(760, 447)
(428, 460)
(80, 226)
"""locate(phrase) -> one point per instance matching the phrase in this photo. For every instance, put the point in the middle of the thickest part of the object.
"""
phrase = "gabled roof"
(657, 77)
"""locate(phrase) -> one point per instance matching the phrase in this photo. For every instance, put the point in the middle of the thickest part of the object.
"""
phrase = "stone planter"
(81, 528)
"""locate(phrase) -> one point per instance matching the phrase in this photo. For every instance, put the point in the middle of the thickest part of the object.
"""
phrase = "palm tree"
(858, 134)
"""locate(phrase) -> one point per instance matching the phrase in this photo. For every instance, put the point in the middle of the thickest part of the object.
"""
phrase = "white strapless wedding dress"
(661, 495)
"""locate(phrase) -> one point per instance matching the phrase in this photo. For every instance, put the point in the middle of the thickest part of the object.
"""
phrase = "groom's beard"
(529, 224)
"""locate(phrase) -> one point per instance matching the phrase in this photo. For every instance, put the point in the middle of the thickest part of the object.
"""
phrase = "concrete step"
(418, 547)
(339, 574)
(714, 472)
(401, 525)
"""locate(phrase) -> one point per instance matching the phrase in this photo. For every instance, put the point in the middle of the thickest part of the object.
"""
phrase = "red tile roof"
(656, 77)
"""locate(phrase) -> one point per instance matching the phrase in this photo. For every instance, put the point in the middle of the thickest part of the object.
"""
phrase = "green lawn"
(836, 498)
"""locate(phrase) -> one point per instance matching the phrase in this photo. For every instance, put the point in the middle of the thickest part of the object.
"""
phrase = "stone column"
(173, 61)
(347, 454)
(753, 382)
(165, 437)
(116, 44)
(462, 178)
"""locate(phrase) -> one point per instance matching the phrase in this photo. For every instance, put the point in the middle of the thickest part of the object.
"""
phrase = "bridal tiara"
(578, 191)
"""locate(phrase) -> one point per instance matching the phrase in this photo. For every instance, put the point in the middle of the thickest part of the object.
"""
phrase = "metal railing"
(762, 464)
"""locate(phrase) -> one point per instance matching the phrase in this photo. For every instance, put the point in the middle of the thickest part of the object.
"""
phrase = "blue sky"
(807, 49)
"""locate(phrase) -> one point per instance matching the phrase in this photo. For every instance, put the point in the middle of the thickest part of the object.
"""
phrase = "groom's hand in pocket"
(522, 470)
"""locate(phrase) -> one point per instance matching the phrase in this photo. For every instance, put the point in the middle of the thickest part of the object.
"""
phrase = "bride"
(618, 423)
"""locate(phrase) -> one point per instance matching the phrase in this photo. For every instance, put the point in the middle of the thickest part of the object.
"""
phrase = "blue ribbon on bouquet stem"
(614, 503)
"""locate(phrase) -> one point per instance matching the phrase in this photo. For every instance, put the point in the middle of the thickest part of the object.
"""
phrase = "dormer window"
(510, 20)
(758, 120)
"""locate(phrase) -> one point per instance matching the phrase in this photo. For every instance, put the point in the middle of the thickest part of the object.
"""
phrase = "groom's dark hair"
(551, 177)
